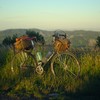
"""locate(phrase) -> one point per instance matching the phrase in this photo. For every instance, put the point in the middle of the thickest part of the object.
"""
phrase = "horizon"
(46, 29)
(50, 14)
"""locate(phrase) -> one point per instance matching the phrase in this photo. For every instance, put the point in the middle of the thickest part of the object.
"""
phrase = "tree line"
(9, 41)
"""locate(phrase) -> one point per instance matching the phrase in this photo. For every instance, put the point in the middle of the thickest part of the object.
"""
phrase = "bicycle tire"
(65, 64)
(22, 65)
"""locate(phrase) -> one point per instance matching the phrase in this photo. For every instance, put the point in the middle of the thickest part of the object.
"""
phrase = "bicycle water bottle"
(39, 56)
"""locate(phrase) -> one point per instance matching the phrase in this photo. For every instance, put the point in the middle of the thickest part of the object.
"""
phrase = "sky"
(50, 14)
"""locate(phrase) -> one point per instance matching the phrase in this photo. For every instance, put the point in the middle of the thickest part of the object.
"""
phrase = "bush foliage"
(44, 86)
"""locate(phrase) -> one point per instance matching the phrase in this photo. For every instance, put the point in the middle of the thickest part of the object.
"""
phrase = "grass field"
(34, 86)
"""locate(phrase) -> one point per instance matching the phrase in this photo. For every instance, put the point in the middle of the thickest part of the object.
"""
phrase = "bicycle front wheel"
(65, 65)
(22, 64)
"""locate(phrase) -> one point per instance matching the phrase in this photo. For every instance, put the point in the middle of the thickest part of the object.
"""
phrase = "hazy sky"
(50, 14)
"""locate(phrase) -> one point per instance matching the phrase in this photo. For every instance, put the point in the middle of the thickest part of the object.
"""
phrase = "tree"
(13, 39)
(98, 41)
(38, 36)
(9, 40)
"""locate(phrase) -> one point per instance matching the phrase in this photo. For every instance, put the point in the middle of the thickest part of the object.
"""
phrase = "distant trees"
(98, 42)
(38, 36)
(9, 40)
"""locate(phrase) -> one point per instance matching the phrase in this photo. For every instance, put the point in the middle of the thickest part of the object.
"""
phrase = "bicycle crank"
(39, 69)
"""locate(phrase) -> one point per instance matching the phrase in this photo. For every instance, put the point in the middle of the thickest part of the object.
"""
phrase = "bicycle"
(61, 63)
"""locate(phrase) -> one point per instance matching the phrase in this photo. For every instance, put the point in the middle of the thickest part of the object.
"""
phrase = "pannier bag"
(61, 45)
(23, 43)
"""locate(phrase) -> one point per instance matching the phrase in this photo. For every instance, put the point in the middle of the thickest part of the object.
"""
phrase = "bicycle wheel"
(65, 64)
(22, 64)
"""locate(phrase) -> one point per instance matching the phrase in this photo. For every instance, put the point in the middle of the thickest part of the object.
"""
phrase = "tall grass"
(40, 86)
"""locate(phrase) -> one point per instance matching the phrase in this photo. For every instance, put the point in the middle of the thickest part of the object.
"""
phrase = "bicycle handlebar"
(30, 38)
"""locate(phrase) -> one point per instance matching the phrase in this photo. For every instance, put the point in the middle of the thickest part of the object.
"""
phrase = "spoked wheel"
(22, 64)
(65, 65)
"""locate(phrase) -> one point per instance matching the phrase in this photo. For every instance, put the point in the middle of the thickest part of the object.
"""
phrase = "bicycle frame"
(59, 60)
(42, 63)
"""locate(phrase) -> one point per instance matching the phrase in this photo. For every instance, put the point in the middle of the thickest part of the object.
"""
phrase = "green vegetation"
(48, 87)
(79, 38)
(9, 41)
(32, 85)
(38, 36)
(98, 41)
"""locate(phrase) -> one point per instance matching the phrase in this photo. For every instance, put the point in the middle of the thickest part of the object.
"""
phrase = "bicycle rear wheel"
(22, 64)
(65, 65)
